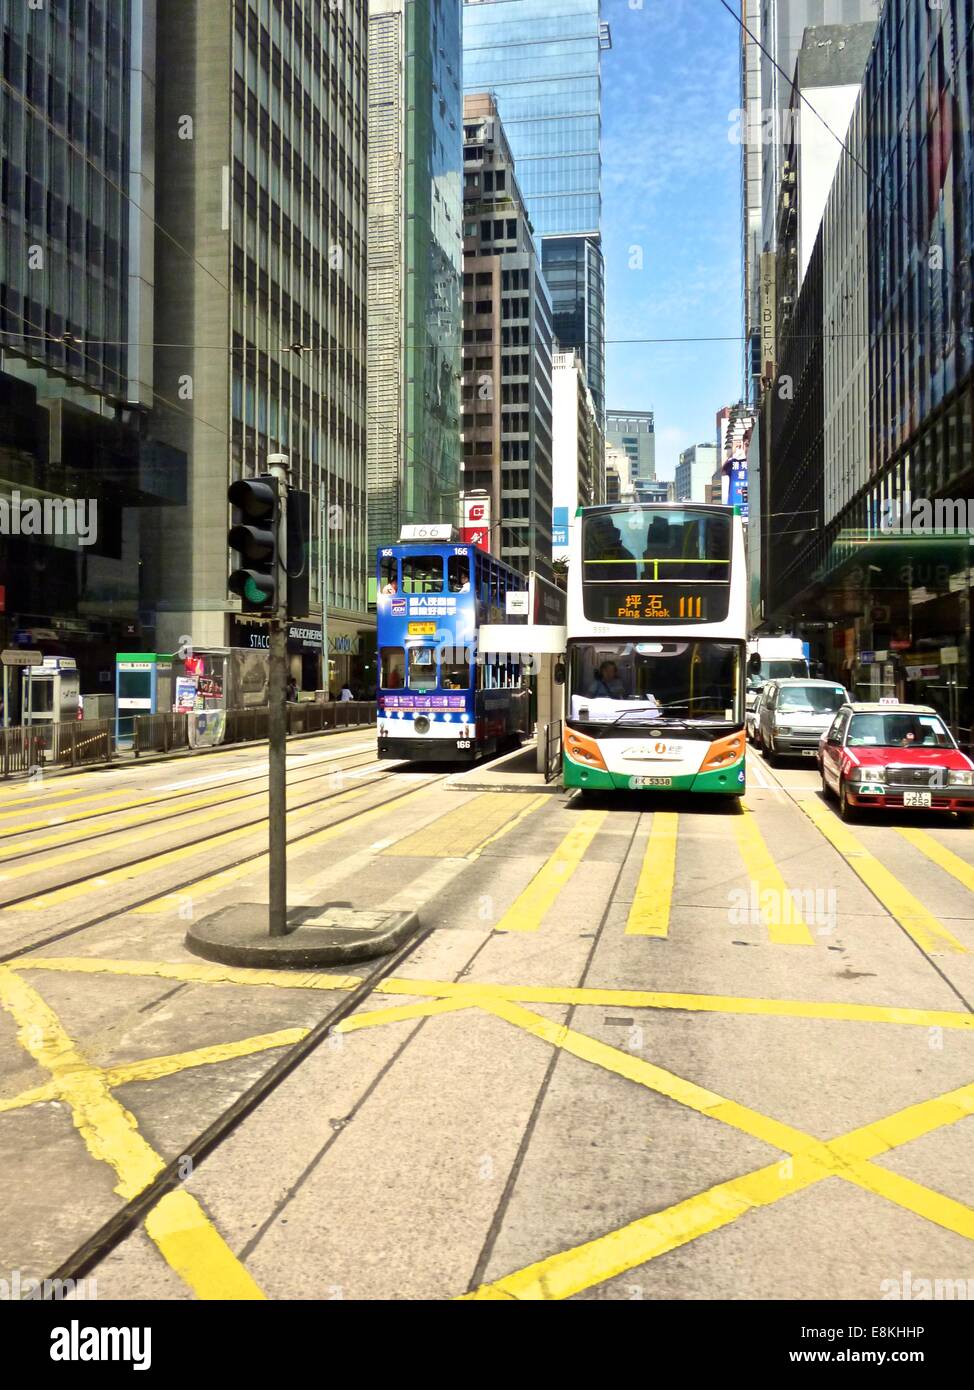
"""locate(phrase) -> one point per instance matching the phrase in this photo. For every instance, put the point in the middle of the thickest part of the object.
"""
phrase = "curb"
(239, 936)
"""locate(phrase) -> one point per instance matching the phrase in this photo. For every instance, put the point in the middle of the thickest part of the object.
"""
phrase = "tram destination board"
(636, 602)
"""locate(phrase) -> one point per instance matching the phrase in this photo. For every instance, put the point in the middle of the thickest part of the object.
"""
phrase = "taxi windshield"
(898, 731)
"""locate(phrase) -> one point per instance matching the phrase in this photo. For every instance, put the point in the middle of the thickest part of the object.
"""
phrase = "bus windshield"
(646, 564)
(632, 683)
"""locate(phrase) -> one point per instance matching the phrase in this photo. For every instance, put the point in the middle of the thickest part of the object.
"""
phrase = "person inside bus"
(608, 685)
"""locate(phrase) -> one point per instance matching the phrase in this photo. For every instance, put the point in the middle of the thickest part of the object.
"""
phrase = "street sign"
(21, 657)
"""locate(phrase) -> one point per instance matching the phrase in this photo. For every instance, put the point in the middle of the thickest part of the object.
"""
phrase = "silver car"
(793, 714)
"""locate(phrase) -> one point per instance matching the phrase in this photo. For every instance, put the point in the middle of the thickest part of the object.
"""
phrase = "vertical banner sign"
(476, 522)
(769, 314)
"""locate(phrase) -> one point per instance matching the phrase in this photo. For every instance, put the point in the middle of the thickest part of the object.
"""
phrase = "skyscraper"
(77, 389)
(634, 431)
(507, 404)
(261, 285)
(415, 173)
(541, 60)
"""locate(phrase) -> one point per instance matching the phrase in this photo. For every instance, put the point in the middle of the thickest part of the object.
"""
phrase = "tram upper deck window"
(422, 669)
(388, 575)
(422, 574)
(459, 574)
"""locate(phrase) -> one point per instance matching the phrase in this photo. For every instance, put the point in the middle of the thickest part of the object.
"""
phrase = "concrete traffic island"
(317, 936)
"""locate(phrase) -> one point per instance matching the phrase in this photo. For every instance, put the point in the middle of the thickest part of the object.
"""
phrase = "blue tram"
(438, 698)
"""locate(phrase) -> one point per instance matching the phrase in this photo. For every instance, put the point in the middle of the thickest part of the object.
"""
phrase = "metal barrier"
(338, 714)
(159, 733)
(552, 750)
(70, 744)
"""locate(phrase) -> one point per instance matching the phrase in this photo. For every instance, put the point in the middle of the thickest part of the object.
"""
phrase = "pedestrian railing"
(552, 750)
(69, 744)
(80, 741)
(160, 733)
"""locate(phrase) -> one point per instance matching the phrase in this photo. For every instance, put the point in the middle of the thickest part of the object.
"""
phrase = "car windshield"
(898, 731)
(811, 699)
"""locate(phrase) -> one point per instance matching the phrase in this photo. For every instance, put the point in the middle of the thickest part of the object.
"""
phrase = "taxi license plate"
(917, 799)
(638, 783)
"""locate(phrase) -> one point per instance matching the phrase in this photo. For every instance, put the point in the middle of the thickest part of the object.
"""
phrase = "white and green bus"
(657, 631)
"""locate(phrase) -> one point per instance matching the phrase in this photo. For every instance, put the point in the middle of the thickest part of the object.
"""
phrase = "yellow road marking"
(462, 830)
(572, 1271)
(919, 923)
(192, 893)
(649, 914)
(202, 973)
(778, 907)
(528, 910)
(534, 804)
(178, 1225)
(945, 858)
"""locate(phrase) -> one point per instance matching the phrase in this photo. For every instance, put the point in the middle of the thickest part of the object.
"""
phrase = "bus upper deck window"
(422, 574)
(459, 574)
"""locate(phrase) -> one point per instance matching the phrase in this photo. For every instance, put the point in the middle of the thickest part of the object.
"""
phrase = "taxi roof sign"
(889, 700)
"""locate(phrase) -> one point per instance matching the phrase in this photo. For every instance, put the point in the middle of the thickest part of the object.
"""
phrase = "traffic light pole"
(277, 723)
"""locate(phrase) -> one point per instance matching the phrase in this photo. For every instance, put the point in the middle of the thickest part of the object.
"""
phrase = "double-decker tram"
(657, 630)
(438, 697)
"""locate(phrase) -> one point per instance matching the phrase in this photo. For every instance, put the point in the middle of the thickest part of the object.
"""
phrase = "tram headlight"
(421, 724)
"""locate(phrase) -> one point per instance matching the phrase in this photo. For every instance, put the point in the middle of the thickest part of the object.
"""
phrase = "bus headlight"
(960, 779)
(724, 752)
(584, 750)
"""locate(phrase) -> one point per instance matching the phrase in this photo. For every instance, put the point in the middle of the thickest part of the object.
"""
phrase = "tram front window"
(422, 574)
(422, 669)
(631, 683)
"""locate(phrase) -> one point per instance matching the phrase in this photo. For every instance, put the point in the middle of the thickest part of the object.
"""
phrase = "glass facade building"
(77, 110)
(415, 263)
(541, 61)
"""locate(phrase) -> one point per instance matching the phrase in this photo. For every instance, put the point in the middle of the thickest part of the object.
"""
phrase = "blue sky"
(671, 187)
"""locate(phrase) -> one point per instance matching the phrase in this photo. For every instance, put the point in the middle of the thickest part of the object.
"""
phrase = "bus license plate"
(917, 799)
(638, 783)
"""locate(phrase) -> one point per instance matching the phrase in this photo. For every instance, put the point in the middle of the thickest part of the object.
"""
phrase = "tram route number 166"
(463, 743)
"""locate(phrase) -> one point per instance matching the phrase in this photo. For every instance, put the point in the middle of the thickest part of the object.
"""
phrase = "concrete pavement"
(652, 1048)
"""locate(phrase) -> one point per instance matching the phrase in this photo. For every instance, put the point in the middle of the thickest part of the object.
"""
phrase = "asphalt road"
(652, 1049)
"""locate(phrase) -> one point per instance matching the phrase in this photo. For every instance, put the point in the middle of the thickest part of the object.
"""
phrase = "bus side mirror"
(559, 673)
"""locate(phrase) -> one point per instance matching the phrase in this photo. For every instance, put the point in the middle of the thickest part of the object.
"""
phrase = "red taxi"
(891, 755)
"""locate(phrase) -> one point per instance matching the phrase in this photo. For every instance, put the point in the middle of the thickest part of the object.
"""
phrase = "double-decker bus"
(657, 630)
(438, 697)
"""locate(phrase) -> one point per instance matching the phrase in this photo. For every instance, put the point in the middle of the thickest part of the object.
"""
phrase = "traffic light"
(255, 536)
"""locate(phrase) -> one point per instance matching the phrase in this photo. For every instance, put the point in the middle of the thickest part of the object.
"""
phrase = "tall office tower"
(260, 153)
(783, 23)
(415, 229)
(751, 158)
(507, 344)
(76, 302)
(634, 431)
(541, 60)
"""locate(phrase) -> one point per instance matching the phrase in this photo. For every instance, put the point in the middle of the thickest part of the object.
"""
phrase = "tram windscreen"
(646, 565)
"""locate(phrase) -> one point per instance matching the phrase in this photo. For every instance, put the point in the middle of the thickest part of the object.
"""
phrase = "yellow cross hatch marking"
(778, 905)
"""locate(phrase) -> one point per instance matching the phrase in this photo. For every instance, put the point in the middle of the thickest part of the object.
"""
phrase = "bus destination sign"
(649, 603)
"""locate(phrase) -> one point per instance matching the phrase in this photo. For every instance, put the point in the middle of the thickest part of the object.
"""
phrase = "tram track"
(187, 883)
(189, 801)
